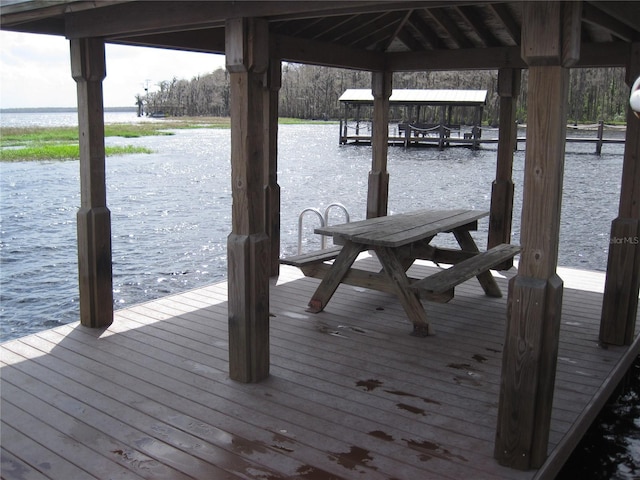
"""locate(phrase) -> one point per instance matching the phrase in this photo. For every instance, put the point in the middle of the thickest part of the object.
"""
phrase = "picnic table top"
(402, 229)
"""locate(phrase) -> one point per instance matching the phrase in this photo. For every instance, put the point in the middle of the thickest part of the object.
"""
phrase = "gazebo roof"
(370, 35)
(410, 96)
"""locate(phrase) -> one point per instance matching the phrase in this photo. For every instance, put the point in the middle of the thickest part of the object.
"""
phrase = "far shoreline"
(61, 109)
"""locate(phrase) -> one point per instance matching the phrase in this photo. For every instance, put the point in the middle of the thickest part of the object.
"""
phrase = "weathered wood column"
(272, 189)
(378, 193)
(535, 294)
(620, 302)
(501, 212)
(248, 244)
(94, 219)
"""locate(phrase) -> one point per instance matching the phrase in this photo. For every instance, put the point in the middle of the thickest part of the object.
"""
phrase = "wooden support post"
(600, 135)
(247, 58)
(378, 192)
(501, 212)
(477, 128)
(94, 218)
(622, 285)
(272, 189)
(441, 128)
(535, 294)
(407, 135)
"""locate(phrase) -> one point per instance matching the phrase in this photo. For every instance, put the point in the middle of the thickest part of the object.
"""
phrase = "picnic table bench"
(397, 241)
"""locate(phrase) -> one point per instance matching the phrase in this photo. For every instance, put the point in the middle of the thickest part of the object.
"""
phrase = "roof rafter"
(623, 15)
(471, 15)
(381, 30)
(445, 22)
(353, 35)
(425, 31)
(332, 26)
(397, 30)
(511, 26)
(407, 37)
(597, 17)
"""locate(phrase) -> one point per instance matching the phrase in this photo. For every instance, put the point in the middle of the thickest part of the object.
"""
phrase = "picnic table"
(399, 240)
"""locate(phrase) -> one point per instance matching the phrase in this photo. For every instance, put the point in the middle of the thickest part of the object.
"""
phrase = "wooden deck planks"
(351, 394)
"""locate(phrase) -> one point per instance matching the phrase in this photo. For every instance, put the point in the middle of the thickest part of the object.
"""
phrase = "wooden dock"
(447, 137)
(351, 393)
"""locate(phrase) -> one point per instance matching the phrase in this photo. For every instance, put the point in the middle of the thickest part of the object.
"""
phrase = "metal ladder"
(324, 221)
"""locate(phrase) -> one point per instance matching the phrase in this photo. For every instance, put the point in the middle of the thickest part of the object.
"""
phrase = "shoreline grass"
(17, 136)
(60, 152)
(60, 143)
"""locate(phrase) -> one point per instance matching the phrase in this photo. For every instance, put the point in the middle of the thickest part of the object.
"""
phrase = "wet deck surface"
(351, 394)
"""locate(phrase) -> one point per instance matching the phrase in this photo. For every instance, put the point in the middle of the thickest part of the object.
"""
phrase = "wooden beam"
(319, 53)
(210, 40)
(52, 26)
(36, 11)
(541, 33)
(94, 218)
(247, 57)
(622, 285)
(611, 54)
(160, 16)
(571, 32)
(462, 59)
(378, 192)
(535, 294)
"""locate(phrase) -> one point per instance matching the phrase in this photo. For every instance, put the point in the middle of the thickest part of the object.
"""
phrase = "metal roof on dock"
(419, 96)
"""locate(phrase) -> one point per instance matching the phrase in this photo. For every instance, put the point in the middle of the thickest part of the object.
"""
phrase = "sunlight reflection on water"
(171, 210)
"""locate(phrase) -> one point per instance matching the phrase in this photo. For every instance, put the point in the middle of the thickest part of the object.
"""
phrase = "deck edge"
(559, 455)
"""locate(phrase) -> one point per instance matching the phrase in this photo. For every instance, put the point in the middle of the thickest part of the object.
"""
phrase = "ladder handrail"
(322, 224)
(324, 221)
(338, 205)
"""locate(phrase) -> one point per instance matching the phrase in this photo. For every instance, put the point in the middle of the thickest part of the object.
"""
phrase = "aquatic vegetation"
(60, 152)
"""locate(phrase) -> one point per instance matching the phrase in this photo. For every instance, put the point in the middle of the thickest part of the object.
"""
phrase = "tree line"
(312, 92)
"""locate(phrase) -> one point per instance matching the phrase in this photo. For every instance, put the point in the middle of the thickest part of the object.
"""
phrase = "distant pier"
(444, 135)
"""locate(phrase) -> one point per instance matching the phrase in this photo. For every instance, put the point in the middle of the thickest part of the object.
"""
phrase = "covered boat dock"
(422, 117)
(194, 388)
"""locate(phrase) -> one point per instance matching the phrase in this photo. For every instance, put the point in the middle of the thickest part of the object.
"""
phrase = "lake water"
(171, 212)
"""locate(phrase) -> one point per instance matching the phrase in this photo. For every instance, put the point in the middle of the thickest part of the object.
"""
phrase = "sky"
(35, 71)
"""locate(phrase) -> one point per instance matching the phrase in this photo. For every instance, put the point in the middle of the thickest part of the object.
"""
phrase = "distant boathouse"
(418, 117)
